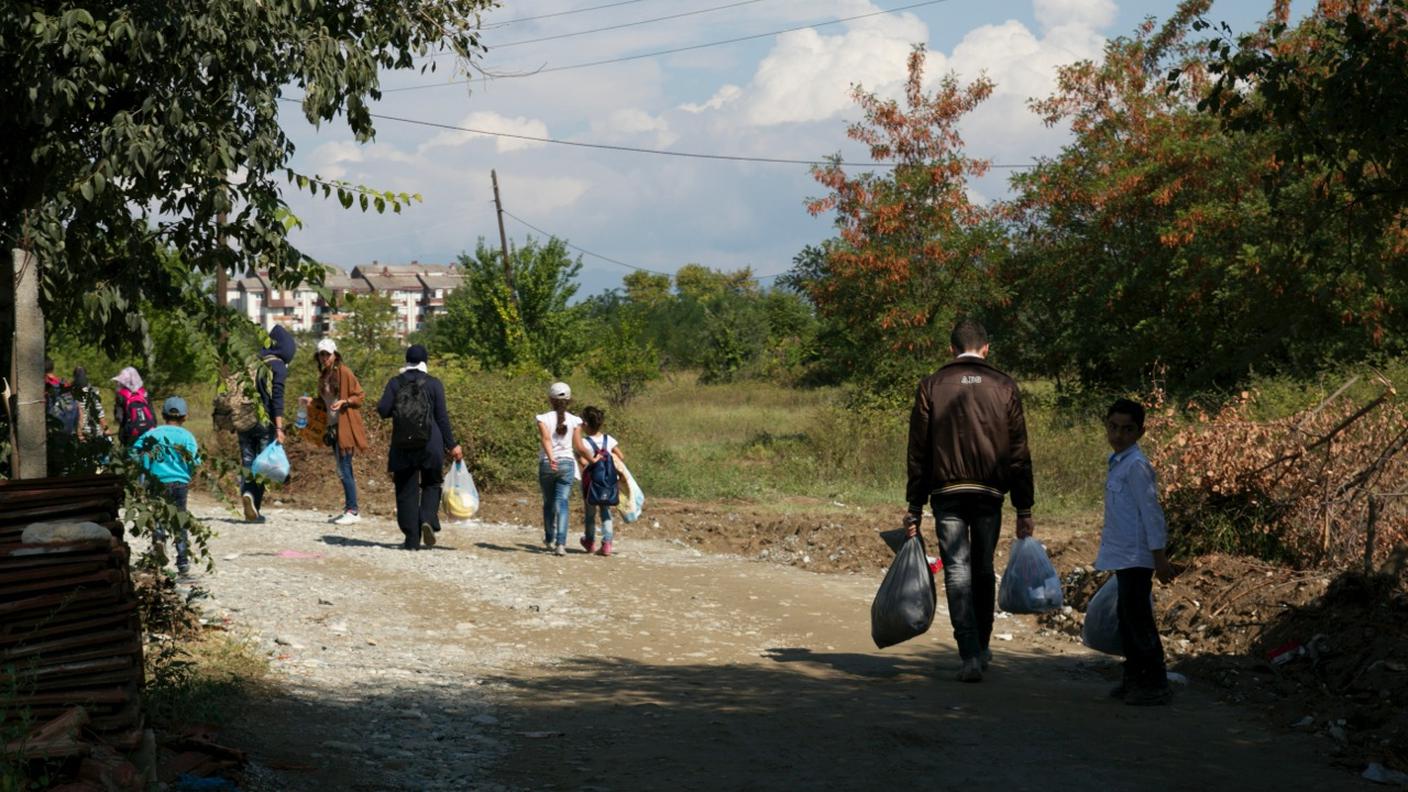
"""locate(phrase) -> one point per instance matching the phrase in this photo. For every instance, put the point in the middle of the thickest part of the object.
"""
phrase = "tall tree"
(129, 127)
(1331, 94)
(912, 249)
(476, 324)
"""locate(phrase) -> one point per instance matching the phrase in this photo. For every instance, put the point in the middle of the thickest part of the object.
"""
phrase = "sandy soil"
(486, 664)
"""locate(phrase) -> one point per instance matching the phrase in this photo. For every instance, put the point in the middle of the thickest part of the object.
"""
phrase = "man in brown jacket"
(967, 449)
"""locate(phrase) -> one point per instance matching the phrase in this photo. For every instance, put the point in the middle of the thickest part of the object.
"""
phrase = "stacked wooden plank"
(70, 633)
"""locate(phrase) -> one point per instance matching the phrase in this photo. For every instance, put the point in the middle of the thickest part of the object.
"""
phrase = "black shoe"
(985, 659)
(1148, 697)
(427, 535)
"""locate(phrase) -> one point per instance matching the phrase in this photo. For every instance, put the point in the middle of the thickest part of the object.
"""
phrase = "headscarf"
(129, 379)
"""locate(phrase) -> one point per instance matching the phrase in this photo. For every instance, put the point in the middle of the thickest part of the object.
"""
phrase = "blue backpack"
(62, 407)
(603, 482)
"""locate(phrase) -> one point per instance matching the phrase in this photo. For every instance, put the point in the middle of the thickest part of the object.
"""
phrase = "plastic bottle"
(302, 421)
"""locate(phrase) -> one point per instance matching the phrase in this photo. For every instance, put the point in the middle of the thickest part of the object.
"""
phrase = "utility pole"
(503, 238)
(30, 458)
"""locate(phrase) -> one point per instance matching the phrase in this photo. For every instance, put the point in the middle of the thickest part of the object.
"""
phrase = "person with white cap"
(557, 465)
(421, 437)
(340, 395)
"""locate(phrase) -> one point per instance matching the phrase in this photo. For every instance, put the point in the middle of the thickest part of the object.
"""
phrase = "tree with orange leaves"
(912, 248)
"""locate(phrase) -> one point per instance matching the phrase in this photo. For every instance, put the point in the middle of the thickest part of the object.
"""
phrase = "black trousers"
(1143, 651)
(417, 501)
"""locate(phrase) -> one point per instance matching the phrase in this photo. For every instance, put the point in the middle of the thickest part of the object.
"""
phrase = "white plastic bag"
(272, 463)
(1102, 620)
(1030, 583)
(461, 496)
(632, 498)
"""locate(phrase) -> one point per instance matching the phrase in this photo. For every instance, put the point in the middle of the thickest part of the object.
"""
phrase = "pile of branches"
(1295, 489)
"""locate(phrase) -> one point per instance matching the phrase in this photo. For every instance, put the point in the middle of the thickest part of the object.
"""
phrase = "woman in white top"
(557, 465)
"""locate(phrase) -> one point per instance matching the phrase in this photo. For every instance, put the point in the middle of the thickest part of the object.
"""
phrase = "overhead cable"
(637, 23)
(639, 149)
(658, 53)
(516, 20)
(581, 249)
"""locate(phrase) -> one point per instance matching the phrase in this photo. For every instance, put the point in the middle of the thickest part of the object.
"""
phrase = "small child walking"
(169, 453)
(600, 477)
(1132, 545)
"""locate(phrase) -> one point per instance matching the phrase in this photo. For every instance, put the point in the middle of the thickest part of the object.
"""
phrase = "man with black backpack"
(420, 437)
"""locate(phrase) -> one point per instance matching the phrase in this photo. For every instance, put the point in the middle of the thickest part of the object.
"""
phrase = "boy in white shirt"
(1132, 545)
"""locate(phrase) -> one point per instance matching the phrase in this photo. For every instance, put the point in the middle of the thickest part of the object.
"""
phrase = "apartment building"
(417, 291)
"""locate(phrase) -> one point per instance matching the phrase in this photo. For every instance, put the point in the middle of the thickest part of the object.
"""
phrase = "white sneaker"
(561, 550)
(251, 514)
(347, 518)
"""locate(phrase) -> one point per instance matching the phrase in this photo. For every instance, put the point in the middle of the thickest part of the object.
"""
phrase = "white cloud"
(1052, 14)
(633, 123)
(808, 76)
(727, 93)
(489, 121)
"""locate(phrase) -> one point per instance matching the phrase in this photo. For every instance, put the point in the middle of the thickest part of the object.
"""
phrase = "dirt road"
(487, 664)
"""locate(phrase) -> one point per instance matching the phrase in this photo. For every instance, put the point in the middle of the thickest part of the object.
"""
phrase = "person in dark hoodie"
(270, 384)
(419, 470)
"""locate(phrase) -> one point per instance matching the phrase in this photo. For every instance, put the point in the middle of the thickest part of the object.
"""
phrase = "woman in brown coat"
(341, 395)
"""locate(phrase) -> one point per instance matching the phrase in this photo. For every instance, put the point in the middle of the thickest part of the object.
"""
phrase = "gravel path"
(487, 664)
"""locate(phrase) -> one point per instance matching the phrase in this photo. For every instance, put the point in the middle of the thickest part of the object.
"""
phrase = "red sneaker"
(605, 549)
(588, 544)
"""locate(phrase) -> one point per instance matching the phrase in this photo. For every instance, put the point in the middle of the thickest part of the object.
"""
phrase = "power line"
(581, 249)
(637, 149)
(690, 48)
(516, 20)
(637, 23)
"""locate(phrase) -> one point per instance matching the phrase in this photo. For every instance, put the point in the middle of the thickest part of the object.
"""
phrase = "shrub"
(1293, 488)
(492, 414)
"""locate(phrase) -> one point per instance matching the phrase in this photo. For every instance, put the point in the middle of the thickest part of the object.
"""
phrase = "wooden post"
(503, 239)
(27, 370)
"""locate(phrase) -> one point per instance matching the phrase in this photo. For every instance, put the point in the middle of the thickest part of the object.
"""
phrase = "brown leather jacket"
(967, 434)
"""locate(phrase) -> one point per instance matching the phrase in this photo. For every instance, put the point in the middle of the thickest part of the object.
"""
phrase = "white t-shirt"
(610, 442)
(561, 443)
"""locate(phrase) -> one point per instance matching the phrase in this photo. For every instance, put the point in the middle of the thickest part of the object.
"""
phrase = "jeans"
(557, 488)
(968, 526)
(417, 501)
(1143, 651)
(251, 443)
(177, 494)
(605, 512)
(349, 479)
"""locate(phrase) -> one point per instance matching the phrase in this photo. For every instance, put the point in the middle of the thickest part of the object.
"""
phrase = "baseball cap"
(559, 390)
(327, 345)
(174, 405)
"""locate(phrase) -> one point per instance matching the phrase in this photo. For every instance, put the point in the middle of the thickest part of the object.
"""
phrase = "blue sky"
(780, 96)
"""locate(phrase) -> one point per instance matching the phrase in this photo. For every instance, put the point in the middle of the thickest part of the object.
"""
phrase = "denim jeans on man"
(177, 494)
(605, 512)
(349, 479)
(557, 488)
(968, 526)
(251, 443)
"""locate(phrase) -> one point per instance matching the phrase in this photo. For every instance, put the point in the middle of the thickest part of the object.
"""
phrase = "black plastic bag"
(905, 604)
